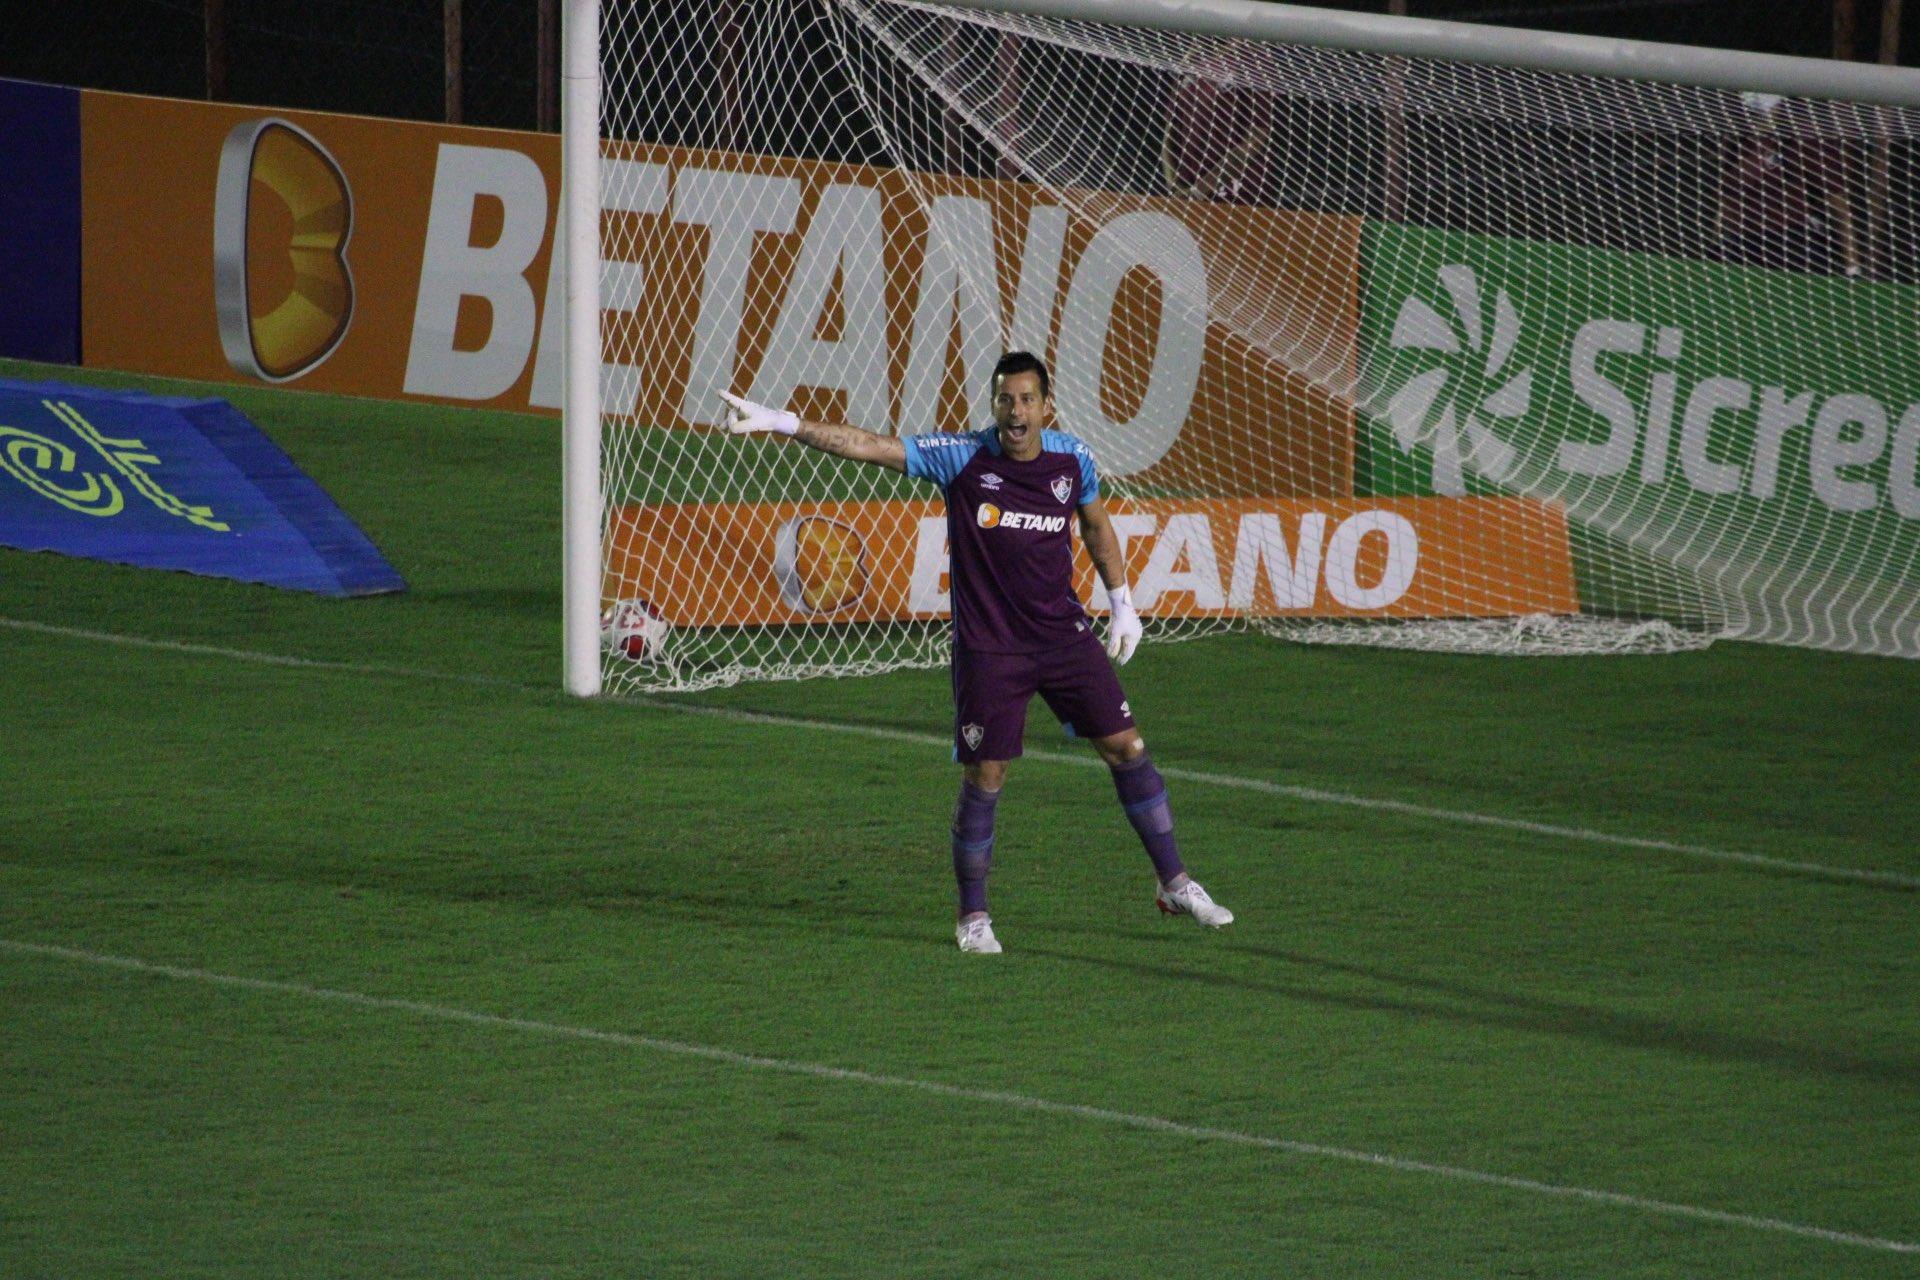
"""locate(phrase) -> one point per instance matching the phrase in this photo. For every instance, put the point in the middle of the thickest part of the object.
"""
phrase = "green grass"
(1655, 1024)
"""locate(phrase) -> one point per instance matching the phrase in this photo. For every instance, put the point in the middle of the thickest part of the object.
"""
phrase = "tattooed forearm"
(852, 442)
(842, 440)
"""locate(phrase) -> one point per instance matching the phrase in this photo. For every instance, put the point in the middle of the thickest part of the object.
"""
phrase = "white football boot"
(1191, 900)
(976, 935)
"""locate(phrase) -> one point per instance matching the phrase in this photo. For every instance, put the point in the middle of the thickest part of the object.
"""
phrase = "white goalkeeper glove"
(1123, 625)
(745, 418)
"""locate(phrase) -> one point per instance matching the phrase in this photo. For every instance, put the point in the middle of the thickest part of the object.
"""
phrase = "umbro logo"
(1125, 710)
(990, 481)
(972, 734)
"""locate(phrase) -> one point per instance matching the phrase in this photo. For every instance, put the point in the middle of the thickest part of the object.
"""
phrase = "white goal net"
(1369, 349)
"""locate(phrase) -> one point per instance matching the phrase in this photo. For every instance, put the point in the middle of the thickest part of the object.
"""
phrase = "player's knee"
(1121, 748)
(988, 775)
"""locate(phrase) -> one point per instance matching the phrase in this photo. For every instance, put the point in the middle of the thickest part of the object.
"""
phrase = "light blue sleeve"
(1089, 474)
(1089, 477)
(939, 456)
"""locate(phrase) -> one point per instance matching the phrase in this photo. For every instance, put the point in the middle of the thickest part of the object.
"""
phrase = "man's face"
(1020, 411)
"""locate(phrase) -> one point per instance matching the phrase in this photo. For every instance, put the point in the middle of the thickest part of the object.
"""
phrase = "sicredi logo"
(1710, 431)
(1449, 407)
(1848, 431)
(283, 213)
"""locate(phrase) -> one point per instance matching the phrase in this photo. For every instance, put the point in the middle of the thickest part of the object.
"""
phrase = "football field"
(336, 941)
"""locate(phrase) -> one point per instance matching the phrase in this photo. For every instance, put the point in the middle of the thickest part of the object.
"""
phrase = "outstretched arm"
(1103, 545)
(745, 418)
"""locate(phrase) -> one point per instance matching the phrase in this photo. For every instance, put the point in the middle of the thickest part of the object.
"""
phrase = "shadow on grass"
(1322, 981)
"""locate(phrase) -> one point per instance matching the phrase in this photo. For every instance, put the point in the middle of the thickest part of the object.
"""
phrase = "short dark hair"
(1022, 362)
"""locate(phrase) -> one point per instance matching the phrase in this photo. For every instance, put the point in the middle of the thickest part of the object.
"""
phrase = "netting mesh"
(1369, 349)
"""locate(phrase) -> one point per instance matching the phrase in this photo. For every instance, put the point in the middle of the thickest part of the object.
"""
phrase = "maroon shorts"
(991, 692)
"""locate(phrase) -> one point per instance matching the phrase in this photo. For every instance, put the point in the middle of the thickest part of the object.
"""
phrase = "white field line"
(993, 1097)
(1310, 795)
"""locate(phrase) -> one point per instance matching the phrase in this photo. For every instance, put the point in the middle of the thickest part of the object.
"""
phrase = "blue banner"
(39, 222)
(171, 484)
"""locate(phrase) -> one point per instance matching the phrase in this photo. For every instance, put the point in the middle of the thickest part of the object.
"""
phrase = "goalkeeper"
(1018, 628)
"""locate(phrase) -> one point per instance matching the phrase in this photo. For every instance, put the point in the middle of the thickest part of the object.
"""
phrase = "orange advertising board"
(398, 260)
(751, 564)
(152, 173)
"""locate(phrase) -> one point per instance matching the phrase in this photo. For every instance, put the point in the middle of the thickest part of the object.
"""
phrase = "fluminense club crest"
(1452, 406)
(1062, 487)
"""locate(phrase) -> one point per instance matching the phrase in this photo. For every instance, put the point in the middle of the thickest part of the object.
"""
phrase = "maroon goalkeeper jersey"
(1010, 535)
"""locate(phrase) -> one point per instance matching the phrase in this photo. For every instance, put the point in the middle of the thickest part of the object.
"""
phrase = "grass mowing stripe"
(1315, 795)
(1019, 1101)
(257, 657)
(1311, 795)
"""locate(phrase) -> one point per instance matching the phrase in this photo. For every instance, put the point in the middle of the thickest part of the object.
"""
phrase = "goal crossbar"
(1607, 57)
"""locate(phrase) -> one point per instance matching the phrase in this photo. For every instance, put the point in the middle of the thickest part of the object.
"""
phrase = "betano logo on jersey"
(992, 517)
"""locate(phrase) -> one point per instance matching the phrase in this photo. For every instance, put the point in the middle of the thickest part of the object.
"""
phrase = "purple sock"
(1143, 794)
(973, 845)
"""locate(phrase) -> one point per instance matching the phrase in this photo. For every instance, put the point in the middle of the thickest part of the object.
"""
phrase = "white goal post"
(578, 246)
(1385, 330)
